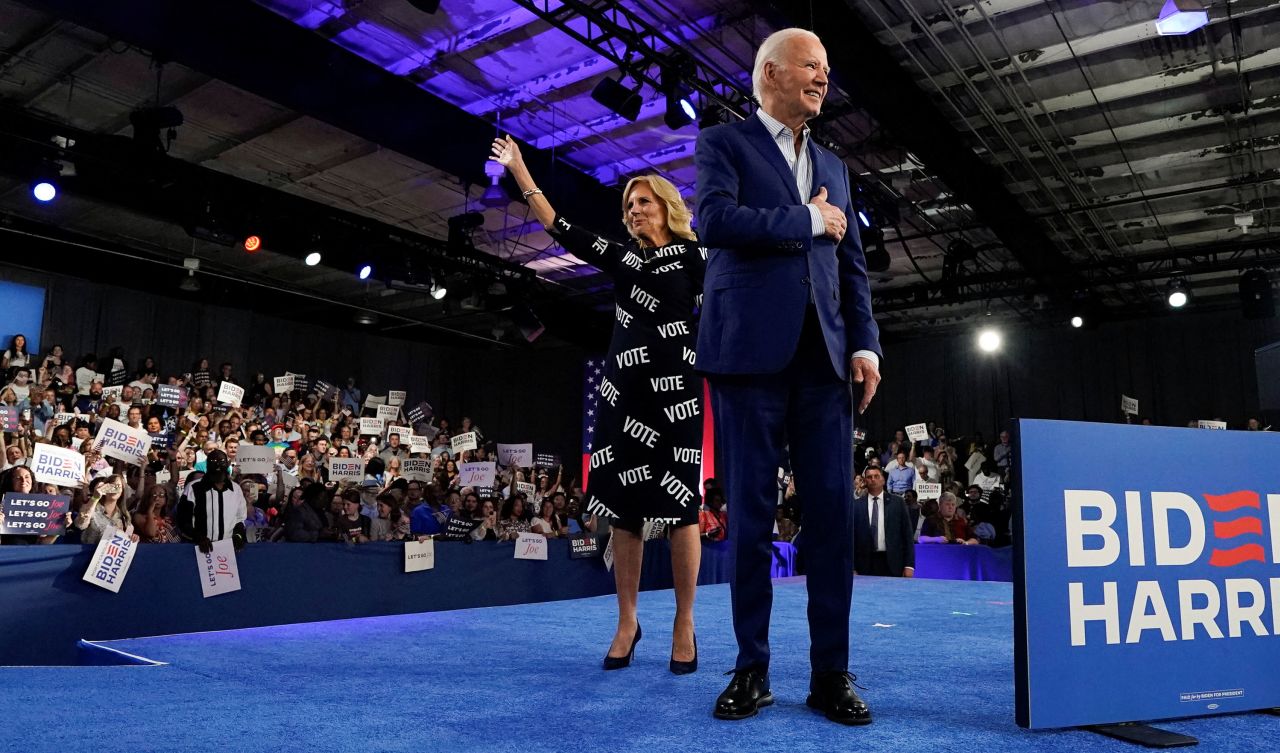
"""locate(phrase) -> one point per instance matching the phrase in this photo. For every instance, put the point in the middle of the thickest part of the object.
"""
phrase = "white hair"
(770, 52)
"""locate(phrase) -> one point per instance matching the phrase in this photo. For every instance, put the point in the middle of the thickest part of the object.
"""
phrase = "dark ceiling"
(1079, 157)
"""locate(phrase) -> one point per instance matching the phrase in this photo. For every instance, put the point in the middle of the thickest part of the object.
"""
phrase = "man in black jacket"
(883, 538)
(213, 508)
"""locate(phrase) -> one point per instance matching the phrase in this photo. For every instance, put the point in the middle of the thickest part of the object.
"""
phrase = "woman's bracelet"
(531, 192)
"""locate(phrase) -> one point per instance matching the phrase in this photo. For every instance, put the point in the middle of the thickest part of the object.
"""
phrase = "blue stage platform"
(935, 656)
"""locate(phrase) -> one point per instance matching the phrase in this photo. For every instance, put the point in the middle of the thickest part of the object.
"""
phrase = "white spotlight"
(989, 340)
(312, 259)
(1077, 321)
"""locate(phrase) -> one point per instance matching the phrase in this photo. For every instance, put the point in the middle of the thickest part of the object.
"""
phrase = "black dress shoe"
(618, 662)
(747, 693)
(832, 693)
(686, 667)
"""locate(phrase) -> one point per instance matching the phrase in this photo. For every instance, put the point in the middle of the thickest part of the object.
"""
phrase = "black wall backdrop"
(514, 395)
(1180, 366)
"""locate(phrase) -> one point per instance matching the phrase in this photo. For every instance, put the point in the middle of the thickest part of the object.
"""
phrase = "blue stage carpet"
(936, 658)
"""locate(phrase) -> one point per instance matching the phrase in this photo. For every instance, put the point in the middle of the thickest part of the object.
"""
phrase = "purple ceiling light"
(1181, 17)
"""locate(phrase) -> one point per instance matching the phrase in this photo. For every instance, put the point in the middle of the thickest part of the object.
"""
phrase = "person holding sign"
(790, 347)
(104, 511)
(647, 445)
(21, 480)
(213, 508)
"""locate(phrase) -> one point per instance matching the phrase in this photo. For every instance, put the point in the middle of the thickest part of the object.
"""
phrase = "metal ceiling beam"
(257, 50)
(939, 23)
(876, 81)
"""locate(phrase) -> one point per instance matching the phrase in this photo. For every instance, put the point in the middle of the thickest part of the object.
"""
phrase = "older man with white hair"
(786, 327)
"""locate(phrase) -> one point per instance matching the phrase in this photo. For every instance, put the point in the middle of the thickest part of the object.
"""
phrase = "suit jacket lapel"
(762, 140)
(819, 175)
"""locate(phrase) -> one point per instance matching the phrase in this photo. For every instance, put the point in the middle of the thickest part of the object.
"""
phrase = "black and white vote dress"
(646, 451)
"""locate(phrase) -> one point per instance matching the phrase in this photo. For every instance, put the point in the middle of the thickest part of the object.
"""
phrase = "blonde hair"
(678, 215)
(771, 52)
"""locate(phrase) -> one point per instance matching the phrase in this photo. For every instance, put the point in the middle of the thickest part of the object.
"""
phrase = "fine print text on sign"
(122, 442)
(582, 547)
(111, 560)
(416, 469)
(346, 469)
(57, 465)
(476, 474)
(1129, 405)
(531, 546)
(464, 442)
(388, 412)
(918, 432)
(230, 394)
(396, 397)
(251, 459)
(219, 573)
(405, 433)
(371, 426)
(419, 555)
(283, 384)
(35, 514)
(519, 455)
(928, 491)
(419, 445)
(1219, 425)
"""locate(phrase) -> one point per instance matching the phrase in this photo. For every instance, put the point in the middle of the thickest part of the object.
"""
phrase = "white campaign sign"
(476, 474)
(464, 442)
(405, 433)
(918, 432)
(112, 394)
(416, 469)
(1129, 405)
(926, 490)
(111, 560)
(371, 426)
(230, 394)
(219, 573)
(122, 442)
(987, 483)
(373, 401)
(283, 384)
(418, 445)
(419, 555)
(254, 459)
(1204, 424)
(608, 553)
(520, 455)
(396, 397)
(531, 546)
(526, 488)
(346, 469)
(56, 465)
(388, 412)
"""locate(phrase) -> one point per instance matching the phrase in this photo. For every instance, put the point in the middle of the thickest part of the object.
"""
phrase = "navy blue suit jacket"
(763, 262)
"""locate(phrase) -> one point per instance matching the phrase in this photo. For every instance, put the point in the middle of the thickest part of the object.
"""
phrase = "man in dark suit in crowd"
(790, 349)
(883, 537)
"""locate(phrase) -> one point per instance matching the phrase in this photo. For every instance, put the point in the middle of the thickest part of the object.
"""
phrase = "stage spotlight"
(989, 341)
(864, 219)
(189, 283)
(873, 248)
(1181, 17)
(494, 196)
(1178, 293)
(1077, 321)
(312, 258)
(438, 288)
(364, 272)
(252, 243)
(612, 94)
(44, 191)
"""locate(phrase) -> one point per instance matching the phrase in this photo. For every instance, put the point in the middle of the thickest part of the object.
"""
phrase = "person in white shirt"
(213, 508)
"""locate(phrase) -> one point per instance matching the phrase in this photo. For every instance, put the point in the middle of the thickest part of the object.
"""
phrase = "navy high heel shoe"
(686, 667)
(618, 662)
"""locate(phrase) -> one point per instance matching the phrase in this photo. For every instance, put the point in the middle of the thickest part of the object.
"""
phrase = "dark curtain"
(514, 395)
(1180, 367)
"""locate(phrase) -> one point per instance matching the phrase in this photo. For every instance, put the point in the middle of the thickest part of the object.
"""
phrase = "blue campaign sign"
(1147, 574)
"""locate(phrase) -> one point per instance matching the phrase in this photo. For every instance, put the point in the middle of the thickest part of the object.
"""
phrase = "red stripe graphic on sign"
(1232, 557)
(1237, 527)
(1232, 501)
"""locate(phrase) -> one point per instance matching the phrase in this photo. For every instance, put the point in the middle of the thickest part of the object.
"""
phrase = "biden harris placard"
(1147, 581)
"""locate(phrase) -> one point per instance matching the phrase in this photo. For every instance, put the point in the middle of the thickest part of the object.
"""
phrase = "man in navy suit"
(786, 325)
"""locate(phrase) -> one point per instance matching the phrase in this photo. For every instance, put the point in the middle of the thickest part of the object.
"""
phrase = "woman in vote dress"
(646, 449)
